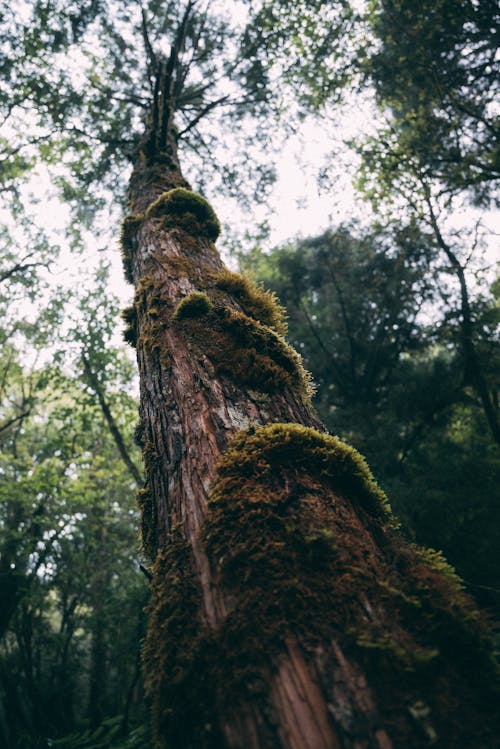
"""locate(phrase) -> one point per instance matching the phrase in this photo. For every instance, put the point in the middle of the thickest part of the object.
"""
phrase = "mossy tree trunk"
(286, 610)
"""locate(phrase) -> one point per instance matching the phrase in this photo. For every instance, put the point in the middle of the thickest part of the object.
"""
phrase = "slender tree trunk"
(286, 610)
(473, 371)
(110, 420)
(98, 668)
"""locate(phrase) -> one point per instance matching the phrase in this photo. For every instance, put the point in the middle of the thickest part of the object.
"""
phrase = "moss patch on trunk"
(129, 317)
(195, 304)
(299, 538)
(148, 533)
(186, 210)
(175, 673)
(128, 235)
(248, 352)
(255, 301)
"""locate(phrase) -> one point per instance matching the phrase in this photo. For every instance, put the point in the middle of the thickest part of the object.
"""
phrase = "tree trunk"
(473, 371)
(286, 610)
(98, 651)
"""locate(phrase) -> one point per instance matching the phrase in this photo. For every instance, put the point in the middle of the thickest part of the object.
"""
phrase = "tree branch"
(113, 427)
(208, 108)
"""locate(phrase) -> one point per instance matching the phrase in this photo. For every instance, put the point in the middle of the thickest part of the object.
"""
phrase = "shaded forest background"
(396, 316)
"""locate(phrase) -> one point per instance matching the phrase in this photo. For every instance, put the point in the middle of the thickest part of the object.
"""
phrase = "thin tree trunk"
(286, 610)
(98, 649)
(472, 367)
(113, 427)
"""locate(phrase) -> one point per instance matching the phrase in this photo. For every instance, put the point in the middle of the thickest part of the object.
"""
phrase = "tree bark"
(286, 610)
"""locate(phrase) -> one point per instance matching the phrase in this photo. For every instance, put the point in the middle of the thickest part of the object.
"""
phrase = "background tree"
(434, 67)
(69, 544)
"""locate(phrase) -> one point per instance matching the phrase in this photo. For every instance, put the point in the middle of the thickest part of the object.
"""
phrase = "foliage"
(353, 307)
(109, 735)
(70, 582)
(85, 73)
(309, 48)
(433, 65)
(71, 589)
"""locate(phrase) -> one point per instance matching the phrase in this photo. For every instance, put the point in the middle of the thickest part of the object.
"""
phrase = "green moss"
(128, 234)
(195, 304)
(139, 434)
(408, 657)
(299, 542)
(262, 358)
(176, 652)
(129, 316)
(255, 301)
(276, 446)
(436, 561)
(284, 548)
(148, 532)
(184, 209)
(181, 267)
(300, 537)
(152, 305)
(250, 353)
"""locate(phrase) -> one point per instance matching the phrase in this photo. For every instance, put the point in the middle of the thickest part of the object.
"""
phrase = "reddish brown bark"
(352, 663)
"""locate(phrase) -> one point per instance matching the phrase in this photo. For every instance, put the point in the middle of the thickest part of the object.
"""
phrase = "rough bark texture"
(286, 611)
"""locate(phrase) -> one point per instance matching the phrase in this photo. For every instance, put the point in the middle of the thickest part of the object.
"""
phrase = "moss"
(195, 304)
(153, 179)
(309, 451)
(285, 552)
(181, 267)
(262, 358)
(129, 316)
(184, 209)
(250, 353)
(293, 560)
(408, 657)
(176, 651)
(154, 309)
(139, 434)
(148, 533)
(436, 561)
(255, 301)
(128, 233)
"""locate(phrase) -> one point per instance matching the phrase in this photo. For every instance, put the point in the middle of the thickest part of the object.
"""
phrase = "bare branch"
(211, 105)
(168, 82)
(15, 419)
(21, 266)
(152, 61)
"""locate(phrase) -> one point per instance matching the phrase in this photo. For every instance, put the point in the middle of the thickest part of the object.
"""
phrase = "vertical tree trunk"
(98, 667)
(286, 610)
